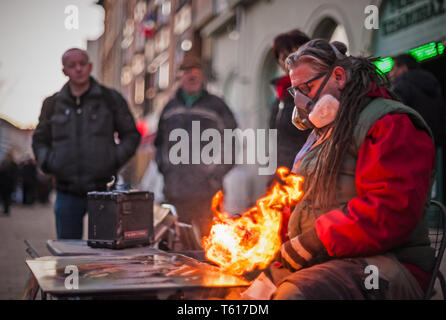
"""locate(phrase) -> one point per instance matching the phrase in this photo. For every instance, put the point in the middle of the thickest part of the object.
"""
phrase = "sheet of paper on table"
(262, 288)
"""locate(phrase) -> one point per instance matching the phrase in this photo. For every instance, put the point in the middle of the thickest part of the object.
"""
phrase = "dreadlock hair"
(361, 76)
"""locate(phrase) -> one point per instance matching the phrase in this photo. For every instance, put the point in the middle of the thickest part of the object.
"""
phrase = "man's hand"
(293, 256)
(299, 252)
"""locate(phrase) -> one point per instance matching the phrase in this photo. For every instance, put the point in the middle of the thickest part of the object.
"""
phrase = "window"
(183, 19)
(163, 77)
(162, 40)
(139, 90)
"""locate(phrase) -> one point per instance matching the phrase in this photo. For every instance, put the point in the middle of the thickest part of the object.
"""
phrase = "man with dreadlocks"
(368, 166)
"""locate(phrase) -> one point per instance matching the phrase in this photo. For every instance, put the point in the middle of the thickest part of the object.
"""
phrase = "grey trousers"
(344, 279)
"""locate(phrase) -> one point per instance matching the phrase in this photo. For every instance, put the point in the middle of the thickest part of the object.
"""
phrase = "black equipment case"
(120, 219)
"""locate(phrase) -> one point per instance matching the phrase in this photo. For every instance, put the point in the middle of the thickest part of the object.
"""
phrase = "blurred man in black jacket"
(75, 140)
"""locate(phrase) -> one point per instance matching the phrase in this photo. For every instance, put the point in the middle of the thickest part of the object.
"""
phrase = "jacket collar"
(93, 92)
(179, 95)
(377, 91)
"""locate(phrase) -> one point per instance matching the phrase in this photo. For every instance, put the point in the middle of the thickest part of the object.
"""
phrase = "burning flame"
(239, 245)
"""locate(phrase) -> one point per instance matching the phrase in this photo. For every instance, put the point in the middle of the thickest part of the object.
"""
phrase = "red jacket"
(392, 182)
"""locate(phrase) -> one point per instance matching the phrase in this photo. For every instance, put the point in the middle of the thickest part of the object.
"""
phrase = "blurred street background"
(35, 224)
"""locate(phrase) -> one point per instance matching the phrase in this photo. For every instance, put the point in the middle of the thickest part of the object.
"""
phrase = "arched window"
(270, 71)
(330, 30)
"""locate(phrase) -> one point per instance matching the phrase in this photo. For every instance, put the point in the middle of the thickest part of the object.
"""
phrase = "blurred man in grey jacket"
(188, 186)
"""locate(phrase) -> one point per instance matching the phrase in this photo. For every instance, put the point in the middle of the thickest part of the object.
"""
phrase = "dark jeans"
(70, 210)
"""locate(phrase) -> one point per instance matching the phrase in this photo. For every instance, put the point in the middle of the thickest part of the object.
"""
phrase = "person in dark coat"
(420, 90)
(189, 185)
(289, 139)
(75, 140)
(29, 181)
(8, 180)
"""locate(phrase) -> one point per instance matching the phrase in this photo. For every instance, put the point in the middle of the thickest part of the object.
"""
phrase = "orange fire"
(239, 245)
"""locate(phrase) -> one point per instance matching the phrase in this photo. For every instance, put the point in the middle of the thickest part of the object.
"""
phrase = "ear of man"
(340, 76)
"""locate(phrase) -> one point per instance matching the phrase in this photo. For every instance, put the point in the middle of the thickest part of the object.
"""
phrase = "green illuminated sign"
(384, 65)
(421, 53)
(440, 48)
(424, 52)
